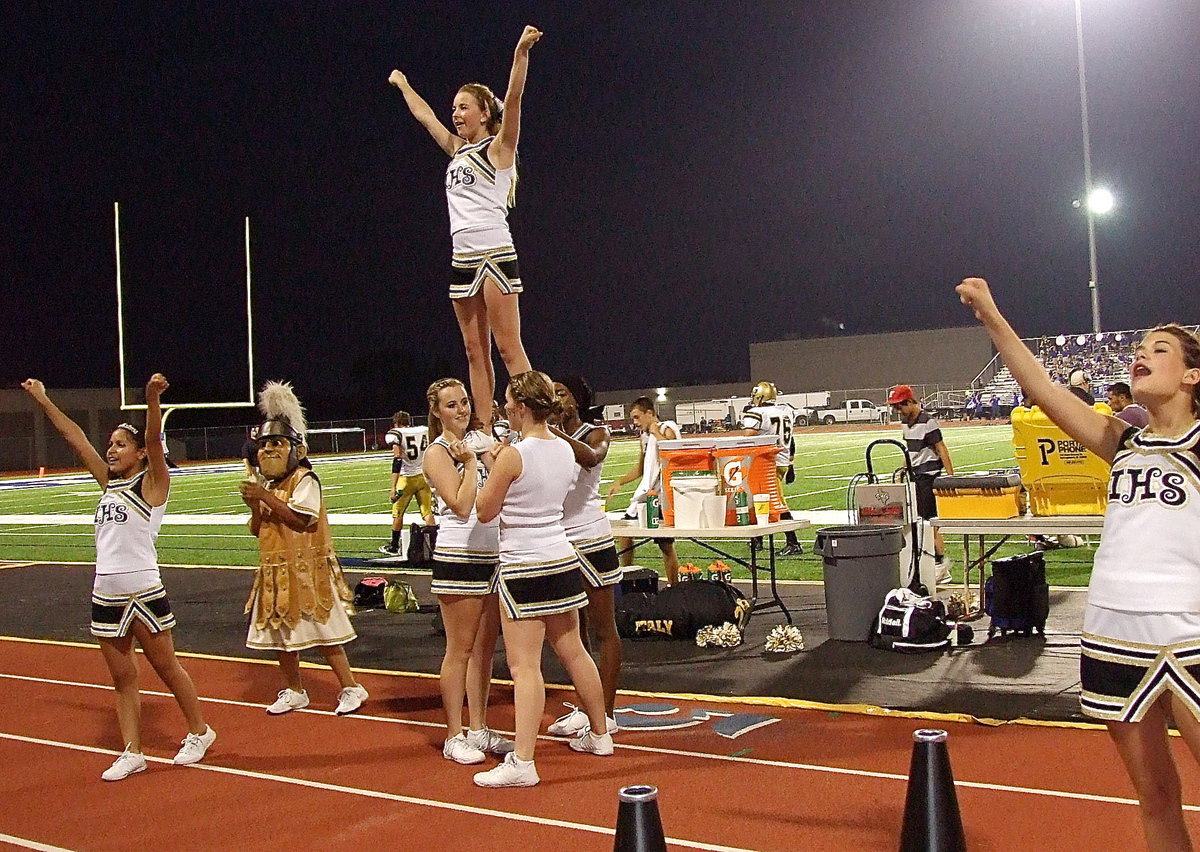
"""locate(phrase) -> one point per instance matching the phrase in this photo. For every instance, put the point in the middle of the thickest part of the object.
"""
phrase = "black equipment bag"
(679, 611)
(421, 541)
(1016, 596)
(910, 623)
(368, 593)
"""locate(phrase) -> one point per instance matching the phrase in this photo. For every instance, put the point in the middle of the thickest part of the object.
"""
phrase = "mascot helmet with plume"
(283, 417)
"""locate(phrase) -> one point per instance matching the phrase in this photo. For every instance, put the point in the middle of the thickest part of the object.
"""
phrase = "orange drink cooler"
(1061, 476)
(737, 462)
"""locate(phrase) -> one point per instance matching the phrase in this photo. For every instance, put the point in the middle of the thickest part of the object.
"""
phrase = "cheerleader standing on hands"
(480, 187)
(128, 598)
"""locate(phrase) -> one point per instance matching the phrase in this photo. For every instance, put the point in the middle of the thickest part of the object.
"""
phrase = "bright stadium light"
(1100, 200)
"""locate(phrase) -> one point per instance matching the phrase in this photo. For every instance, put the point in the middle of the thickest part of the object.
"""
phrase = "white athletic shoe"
(350, 699)
(513, 772)
(289, 700)
(127, 764)
(572, 723)
(194, 747)
(944, 576)
(458, 749)
(592, 744)
(489, 742)
(478, 442)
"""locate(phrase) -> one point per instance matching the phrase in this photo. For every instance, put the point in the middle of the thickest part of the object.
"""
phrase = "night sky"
(694, 176)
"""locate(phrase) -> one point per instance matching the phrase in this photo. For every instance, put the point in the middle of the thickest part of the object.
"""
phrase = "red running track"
(815, 779)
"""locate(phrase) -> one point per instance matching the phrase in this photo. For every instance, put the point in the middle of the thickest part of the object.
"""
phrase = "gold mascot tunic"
(298, 574)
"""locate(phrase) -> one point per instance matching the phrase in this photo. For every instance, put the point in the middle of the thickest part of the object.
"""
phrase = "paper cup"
(641, 514)
(762, 509)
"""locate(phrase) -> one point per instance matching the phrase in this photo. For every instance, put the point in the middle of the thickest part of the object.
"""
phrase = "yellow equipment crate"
(1060, 474)
(980, 495)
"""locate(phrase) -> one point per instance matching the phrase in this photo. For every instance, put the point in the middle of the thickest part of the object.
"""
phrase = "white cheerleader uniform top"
(468, 540)
(1149, 555)
(583, 509)
(531, 517)
(477, 195)
(126, 528)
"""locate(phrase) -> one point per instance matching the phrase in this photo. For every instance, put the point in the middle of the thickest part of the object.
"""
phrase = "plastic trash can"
(861, 565)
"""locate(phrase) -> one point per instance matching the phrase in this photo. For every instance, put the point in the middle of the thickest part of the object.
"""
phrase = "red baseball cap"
(899, 394)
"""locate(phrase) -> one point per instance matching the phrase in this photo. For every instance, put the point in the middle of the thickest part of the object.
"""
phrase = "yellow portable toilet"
(1060, 474)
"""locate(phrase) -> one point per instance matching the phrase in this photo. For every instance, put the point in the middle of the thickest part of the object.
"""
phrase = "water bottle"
(741, 507)
(653, 510)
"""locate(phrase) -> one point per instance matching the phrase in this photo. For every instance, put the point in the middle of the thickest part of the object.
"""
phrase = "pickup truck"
(850, 411)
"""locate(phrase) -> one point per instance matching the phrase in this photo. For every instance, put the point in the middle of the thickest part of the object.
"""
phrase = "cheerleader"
(128, 598)
(464, 576)
(1141, 630)
(588, 529)
(540, 586)
(480, 187)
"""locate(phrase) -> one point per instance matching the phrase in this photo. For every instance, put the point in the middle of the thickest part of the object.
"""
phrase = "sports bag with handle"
(911, 624)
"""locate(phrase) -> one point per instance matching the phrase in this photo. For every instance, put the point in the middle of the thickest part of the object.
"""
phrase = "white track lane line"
(31, 844)
(377, 794)
(698, 755)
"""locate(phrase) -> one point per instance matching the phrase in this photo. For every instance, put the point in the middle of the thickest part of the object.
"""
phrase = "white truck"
(850, 411)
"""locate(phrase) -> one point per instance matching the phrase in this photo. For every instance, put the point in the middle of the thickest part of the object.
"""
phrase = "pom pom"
(785, 639)
(725, 636)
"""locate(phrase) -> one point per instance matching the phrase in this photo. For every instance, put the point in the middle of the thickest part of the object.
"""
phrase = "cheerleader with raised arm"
(480, 187)
(129, 602)
(1140, 659)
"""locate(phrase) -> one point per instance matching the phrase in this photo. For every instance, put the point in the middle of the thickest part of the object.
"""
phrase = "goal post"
(126, 405)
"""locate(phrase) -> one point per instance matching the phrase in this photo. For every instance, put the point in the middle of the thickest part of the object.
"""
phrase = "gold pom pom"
(785, 639)
(726, 636)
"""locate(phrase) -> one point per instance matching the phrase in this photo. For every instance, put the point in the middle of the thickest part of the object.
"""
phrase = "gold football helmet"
(763, 393)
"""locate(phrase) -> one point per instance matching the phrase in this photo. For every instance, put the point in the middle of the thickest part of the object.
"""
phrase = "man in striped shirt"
(928, 456)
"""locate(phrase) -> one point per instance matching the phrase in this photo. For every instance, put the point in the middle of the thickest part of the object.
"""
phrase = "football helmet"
(763, 393)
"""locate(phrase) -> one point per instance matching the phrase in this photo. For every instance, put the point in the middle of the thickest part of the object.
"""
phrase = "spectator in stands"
(1120, 399)
(1081, 385)
(929, 457)
(652, 430)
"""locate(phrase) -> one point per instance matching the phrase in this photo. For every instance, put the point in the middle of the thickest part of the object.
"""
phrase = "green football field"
(50, 519)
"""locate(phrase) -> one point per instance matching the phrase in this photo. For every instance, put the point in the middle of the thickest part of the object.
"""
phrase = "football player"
(767, 415)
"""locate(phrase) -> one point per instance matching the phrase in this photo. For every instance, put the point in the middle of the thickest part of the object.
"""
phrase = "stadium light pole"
(1093, 199)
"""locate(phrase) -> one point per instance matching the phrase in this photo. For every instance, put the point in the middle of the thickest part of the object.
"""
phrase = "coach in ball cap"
(929, 458)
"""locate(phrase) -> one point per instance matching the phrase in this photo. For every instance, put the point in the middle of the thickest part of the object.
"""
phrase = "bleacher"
(1105, 356)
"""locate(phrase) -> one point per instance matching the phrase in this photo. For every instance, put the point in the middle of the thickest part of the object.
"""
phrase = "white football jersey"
(413, 441)
(775, 419)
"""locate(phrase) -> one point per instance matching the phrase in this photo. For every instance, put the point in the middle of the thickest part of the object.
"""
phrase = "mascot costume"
(300, 598)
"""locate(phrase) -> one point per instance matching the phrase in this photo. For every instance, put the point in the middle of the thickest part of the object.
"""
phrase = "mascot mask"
(281, 436)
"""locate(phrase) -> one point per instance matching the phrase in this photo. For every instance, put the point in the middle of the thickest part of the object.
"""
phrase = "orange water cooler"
(734, 461)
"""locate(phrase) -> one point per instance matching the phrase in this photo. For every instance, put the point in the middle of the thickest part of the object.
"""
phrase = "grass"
(825, 463)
